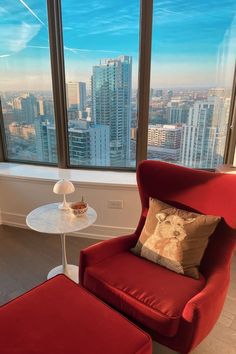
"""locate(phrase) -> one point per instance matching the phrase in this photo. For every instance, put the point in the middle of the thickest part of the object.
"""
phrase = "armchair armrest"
(203, 310)
(102, 250)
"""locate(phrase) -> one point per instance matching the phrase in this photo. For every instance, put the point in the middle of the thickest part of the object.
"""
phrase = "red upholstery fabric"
(189, 189)
(202, 191)
(59, 317)
(143, 290)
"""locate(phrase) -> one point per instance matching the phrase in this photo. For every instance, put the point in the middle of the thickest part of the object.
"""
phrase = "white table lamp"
(63, 187)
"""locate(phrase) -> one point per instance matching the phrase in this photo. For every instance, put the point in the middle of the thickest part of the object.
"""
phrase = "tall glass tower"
(111, 105)
(76, 95)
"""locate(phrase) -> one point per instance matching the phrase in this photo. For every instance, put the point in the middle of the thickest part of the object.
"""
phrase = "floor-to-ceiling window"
(101, 41)
(25, 82)
(193, 59)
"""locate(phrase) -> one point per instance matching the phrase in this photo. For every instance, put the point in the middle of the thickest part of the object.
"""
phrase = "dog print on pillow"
(175, 238)
(164, 245)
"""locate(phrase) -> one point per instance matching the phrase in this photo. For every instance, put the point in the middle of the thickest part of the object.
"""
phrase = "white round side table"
(49, 219)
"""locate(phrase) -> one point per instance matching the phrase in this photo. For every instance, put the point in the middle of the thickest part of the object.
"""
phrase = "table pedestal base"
(72, 270)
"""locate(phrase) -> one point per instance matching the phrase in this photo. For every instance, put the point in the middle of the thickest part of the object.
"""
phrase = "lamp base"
(64, 205)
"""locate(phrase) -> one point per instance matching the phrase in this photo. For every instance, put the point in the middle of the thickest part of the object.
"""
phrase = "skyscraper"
(177, 112)
(42, 140)
(76, 95)
(199, 139)
(111, 104)
(164, 142)
(87, 145)
(29, 108)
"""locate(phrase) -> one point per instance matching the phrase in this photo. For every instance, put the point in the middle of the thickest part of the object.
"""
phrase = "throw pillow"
(175, 238)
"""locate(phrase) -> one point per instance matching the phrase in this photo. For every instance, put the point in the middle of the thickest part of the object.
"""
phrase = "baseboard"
(95, 231)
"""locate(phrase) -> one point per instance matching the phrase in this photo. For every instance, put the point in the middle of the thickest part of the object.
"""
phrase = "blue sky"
(193, 41)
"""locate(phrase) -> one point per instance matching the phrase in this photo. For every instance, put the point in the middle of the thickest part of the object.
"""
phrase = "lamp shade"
(63, 187)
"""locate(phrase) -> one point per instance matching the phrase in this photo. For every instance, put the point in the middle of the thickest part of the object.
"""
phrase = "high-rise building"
(40, 103)
(76, 95)
(170, 94)
(202, 135)
(8, 117)
(87, 145)
(41, 135)
(52, 146)
(16, 103)
(220, 122)
(99, 145)
(177, 112)
(111, 104)
(29, 108)
(26, 108)
(158, 93)
(164, 142)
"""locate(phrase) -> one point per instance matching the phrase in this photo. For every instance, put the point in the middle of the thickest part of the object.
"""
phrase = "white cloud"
(77, 50)
(15, 38)
(38, 46)
(5, 55)
(123, 21)
(32, 12)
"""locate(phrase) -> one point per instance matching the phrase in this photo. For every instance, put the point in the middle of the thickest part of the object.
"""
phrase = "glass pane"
(193, 56)
(25, 85)
(101, 55)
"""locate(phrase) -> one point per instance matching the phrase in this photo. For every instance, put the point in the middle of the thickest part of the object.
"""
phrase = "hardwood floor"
(26, 257)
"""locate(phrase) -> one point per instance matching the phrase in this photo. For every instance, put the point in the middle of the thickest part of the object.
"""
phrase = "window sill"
(82, 177)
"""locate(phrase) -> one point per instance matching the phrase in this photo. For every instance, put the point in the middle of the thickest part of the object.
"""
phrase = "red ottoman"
(60, 317)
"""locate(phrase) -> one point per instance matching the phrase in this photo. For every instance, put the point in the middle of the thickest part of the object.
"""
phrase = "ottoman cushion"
(60, 317)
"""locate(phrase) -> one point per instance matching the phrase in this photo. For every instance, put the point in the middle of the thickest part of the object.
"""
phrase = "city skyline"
(185, 127)
(192, 41)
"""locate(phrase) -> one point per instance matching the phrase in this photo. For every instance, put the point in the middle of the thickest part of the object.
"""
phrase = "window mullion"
(2, 136)
(231, 135)
(58, 80)
(144, 77)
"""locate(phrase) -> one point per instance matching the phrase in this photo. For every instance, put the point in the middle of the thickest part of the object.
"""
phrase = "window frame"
(58, 80)
(3, 152)
(59, 94)
(230, 144)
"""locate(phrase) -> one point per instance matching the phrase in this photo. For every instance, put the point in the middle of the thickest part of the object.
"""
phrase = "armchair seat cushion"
(146, 292)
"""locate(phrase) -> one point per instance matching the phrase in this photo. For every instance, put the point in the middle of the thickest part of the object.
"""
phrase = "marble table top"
(49, 219)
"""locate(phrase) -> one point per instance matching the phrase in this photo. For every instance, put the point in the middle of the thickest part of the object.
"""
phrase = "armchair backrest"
(195, 190)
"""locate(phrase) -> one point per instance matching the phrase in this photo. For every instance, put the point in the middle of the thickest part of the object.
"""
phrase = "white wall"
(20, 195)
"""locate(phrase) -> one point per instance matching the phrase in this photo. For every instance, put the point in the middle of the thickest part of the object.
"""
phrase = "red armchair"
(176, 310)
